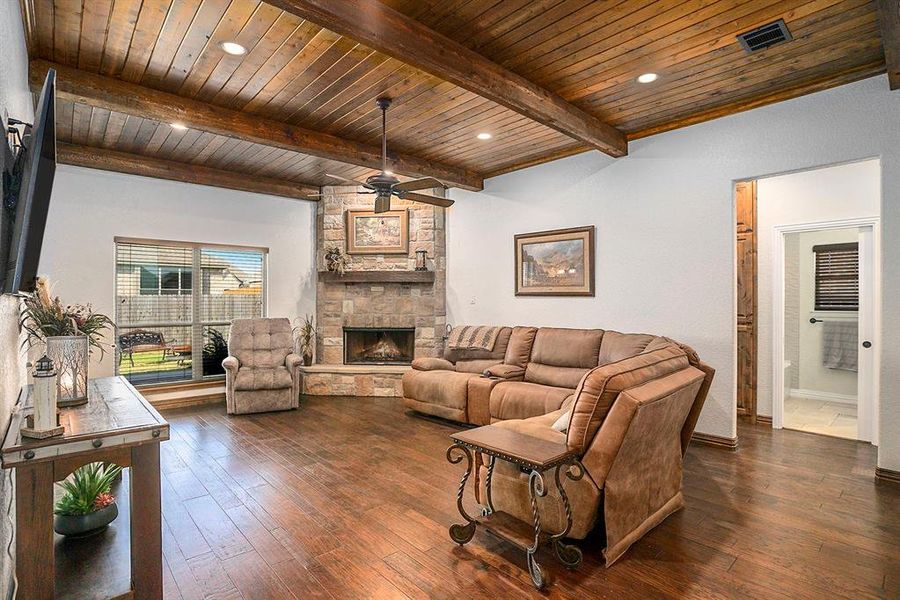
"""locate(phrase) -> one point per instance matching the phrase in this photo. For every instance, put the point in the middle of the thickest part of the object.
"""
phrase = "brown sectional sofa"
(631, 400)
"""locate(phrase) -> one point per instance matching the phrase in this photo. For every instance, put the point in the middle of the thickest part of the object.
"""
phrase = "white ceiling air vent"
(765, 36)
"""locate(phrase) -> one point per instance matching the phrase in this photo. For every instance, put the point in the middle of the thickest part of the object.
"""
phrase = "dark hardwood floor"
(352, 497)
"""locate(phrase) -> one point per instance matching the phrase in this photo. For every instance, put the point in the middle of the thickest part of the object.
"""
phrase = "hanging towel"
(468, 337)
(839, 341)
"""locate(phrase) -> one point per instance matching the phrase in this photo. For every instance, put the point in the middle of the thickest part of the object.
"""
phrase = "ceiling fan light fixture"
(178, 126)
(647, 78)
(233, 48)
(484, 136)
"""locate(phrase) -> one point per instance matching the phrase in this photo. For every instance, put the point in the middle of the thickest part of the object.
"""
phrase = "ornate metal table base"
(570, 556)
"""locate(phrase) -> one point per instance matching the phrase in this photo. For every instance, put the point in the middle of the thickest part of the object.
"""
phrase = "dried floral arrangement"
(336, 260)
(45, 316)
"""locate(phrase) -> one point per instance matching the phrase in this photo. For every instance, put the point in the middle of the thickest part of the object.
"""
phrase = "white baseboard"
(823, 396)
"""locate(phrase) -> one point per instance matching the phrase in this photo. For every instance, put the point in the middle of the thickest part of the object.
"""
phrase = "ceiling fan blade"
(434, 201)
(353, 181)
(419, 184)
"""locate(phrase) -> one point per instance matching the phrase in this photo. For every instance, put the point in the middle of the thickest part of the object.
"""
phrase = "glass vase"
(70, 355)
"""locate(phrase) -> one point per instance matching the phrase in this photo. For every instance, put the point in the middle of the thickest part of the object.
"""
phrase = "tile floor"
(817, 416)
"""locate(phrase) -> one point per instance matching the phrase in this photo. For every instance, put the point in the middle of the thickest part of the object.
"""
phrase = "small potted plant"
(336, 261)
(87, 507)
(306, 339)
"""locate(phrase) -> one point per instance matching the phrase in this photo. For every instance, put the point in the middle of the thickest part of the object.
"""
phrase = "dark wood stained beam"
(120, 96)
(889, 19)
(807, 87)
(390, 32)
(147, 166)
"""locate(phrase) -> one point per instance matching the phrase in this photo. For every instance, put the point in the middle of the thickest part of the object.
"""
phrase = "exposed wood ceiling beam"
(807, 87)
(382, 28)
(889, 18)
(135, 164)
(120, 96)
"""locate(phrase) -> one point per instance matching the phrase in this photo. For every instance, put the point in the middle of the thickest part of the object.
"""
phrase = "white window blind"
(175, 303)
(837, 276)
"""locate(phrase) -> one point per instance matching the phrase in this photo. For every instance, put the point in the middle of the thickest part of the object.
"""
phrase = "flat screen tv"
(39, 143)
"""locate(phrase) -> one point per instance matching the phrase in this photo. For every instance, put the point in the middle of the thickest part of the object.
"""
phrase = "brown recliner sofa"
(631, 402)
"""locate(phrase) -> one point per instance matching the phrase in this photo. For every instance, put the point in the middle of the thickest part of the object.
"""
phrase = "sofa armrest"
(231, 363)
(292, 361)
(430, 363)
(507, 372)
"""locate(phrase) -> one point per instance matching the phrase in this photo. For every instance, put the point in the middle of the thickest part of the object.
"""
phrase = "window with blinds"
(837, 276)
(175, 303)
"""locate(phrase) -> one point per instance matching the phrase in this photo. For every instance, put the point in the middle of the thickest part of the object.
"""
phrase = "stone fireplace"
(380, 292)
(379, 345)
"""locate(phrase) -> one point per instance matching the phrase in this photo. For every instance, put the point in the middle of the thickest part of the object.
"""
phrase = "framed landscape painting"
(382, 233)
(555, 263)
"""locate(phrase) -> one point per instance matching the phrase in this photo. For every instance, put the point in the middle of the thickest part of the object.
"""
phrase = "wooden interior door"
(745, 194)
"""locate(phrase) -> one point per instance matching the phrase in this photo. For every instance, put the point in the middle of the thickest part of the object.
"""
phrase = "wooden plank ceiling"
(587, 52)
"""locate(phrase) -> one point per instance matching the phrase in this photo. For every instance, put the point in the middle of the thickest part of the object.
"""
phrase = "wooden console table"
(534, 454)
(117, 425)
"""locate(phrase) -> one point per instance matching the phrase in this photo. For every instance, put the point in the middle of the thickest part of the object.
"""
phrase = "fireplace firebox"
(379, 345)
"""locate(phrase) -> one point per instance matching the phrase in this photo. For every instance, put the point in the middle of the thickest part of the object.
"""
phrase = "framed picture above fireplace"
(382, 233)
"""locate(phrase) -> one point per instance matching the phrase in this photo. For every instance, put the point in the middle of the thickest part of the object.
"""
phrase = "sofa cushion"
(619, 346)
(260, 342)
(476, 366)
(600, 387)
(444, 388)
(262, 378)
(521, 400)
(520, 343)
(561, 357)
(538, 427)
(431, 363)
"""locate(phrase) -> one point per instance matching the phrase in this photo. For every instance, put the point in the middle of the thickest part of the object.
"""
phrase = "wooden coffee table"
(534, 454)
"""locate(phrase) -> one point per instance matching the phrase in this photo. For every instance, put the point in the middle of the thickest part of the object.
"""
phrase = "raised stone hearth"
(375, 300)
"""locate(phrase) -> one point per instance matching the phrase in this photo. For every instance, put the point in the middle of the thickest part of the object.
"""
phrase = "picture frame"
(558, 262)
(382, 233)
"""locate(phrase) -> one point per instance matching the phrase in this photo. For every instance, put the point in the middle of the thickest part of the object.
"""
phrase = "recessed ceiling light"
(647, 78)
(178, 126)
(484, 136)
(234, 48)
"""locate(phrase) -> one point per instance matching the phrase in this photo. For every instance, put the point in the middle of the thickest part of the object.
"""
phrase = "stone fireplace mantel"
(377, 277)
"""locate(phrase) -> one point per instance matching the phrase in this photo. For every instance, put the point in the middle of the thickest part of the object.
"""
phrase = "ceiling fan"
(385, 184)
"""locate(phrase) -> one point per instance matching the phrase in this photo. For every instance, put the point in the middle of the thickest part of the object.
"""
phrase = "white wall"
(15, 101)
(90, 208)
(15, 97)
(665, 230)
(844, 191)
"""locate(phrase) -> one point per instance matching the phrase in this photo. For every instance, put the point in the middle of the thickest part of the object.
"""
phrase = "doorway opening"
(808, 299)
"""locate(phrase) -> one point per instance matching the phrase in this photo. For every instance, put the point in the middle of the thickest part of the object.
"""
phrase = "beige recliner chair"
(262, 373)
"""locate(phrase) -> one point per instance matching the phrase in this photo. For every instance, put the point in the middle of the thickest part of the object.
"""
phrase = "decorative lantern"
(421, 255)
(44, 421)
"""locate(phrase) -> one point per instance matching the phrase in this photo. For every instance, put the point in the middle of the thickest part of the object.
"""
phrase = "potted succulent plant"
(87, 506)
(306, 339)
(71, 332)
